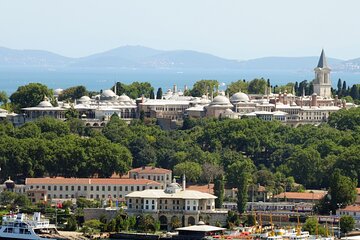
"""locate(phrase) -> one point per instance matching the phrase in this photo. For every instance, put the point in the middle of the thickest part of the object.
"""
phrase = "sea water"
(95, 79)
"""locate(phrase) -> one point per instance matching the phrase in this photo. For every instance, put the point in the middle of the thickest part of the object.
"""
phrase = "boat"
(20, 226)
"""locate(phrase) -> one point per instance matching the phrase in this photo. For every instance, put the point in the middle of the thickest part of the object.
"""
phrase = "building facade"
(160, 175)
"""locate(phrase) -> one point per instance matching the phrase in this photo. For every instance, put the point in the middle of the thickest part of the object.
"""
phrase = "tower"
(322, 82)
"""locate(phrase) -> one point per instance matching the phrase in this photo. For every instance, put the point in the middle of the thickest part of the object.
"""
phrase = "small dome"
(84, 99)
(45, 103)
(108, 93)
(124, 98)
(239, 97)
(201, 223)
(10, 184)
(220, 100)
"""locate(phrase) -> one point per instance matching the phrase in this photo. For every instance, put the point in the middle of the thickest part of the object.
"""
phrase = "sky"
(234, 29)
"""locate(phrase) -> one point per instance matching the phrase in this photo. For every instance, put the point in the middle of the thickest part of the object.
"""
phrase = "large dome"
(108, 93)
(84, 99)
(240, 97)
(58, 91)
(220, 100)
(124, 98)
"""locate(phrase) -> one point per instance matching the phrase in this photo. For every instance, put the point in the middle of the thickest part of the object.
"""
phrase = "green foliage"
(342, 190)
(30, 95)
(204, 86)
(12, 199)
(347, 223)
(312, 226)
(192, 170)
(91, 226)
(219, 191)
(3, 97)
(234, 87)
(345, 119)
(73, 93)
(71, 223)
(159, 93)
(135, 89)
(257, 86)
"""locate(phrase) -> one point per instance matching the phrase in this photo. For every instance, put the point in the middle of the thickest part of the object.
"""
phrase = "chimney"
(184, 183)
(314, 100)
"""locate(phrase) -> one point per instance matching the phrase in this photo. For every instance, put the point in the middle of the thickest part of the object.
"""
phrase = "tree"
(30, 95)
(342, 190)
(152, 94)
(192, 170)
(211, 171)
(339, 87)
(91, 226)
(159, 93)
(312, 226)
(3, 97)
(237, 86)
(219, 191)
(257, 86)
(347, 223)
(354, 92)
(345, 119)
(204, 86)
(71, 223)
(344, 92)
(239, 174)
(73, 93)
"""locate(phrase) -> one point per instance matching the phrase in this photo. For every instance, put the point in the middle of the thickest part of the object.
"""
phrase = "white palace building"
(175, 106)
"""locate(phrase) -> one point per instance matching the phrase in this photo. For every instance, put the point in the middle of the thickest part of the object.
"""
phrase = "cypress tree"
(159, 93)
(344, 91)
(219, 191)
(152, 95)
(354, 92)
(339, 87)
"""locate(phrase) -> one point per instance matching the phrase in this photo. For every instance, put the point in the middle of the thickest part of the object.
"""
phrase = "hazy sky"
(237, 29)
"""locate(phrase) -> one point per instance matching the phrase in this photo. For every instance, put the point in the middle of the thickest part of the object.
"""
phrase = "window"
(143, 188)
(120, 188)
(91, 196)
(147, 201)
(132, 188)
(92, 188)
(126, 188)
(114, 188)
(55, 188)
(79, 188)
(60, 196)
(103, 188)
(109, 188)
(114, 195)
(61, 188)
(49, 188)
(137, 188)
(97, 188)
(85, 188)
(72, 188)
(66, 188)
(103, 196)
(43, 187)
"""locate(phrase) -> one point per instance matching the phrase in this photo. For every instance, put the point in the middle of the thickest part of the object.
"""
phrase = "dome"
(10, 184)
(45, 104)
(108, 93)
(124, 98)
(84, 99)
(220, 100)
(239, 97)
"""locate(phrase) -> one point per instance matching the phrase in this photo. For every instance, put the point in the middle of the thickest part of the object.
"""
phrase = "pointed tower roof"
(322, 61)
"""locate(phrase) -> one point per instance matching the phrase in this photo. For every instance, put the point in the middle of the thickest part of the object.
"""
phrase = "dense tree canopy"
(30, 95)
(73, 93)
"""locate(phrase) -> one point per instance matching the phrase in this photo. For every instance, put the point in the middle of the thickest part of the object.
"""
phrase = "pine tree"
(159, 93)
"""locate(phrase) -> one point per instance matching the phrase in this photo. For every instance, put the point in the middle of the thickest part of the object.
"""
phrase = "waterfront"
(11, 79)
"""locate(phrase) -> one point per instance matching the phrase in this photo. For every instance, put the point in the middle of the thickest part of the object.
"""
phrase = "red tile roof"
(150, 170)
(202, 188)
(88, 181)
(301, 195)
(351, 208)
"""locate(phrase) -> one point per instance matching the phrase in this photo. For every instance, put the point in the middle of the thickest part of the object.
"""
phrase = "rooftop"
(301, 195)
(351, 208)
(150, 170)
(89, 181)
(156, 194)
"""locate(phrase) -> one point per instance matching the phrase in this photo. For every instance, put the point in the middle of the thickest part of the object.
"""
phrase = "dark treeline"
(273, 155)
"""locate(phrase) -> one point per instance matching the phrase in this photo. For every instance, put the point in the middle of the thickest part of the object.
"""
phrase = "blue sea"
(11, 79)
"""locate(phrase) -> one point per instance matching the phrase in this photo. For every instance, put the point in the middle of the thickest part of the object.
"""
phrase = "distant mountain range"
(130, 57)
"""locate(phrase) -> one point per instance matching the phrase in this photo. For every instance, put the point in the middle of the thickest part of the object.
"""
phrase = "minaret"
(322, 82)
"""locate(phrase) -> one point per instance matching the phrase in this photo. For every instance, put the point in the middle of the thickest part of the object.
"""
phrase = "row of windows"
(92, 188)
(92, 196)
